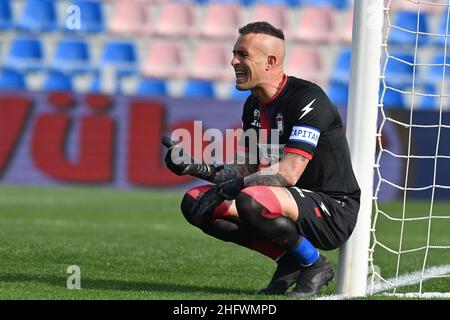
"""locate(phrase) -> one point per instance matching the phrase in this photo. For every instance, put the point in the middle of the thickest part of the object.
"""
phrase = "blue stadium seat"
(392, 98)
(338, 93)
(91, 18)
(291, 3)
(25, 54)
(11, 79)
(38, 15)
(95, 86)
(338, 4)
(57, 81)
(72, 55)
(341, 68)
(5, 15)
(238, 95)
(152, 87)
(408, 20)
(436, 72)
(120, 55)
(195, 88)
(399, 71)
(427, 102)
(441, 31)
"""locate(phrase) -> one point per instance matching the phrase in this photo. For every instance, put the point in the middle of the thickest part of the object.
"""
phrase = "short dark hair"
(261, 27)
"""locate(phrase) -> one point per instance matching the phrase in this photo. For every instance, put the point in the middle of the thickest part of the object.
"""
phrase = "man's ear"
(271, 61)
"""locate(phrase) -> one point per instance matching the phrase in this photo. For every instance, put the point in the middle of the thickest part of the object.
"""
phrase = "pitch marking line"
(404, 280)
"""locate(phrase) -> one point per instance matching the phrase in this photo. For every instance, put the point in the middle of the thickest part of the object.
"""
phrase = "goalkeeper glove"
(187, 165)
(230, 189)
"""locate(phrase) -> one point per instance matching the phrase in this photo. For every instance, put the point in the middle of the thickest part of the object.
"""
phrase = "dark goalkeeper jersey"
(308, 124)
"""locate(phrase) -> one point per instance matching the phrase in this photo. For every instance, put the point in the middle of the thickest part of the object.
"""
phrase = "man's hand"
(186, 163)
(231, 188)
(204, 206)
(178, 169)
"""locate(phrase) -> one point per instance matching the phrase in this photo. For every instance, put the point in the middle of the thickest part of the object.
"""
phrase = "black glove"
(230, 189)
(187, 165)
(178, 169)
(204, 206)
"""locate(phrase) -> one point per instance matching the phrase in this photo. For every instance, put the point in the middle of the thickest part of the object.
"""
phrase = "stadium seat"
(442, 31)
(152, 87)
(72, 55)
(91, 16)
(436, 72)
(407, 20)
(315, 25)
(391, 98)
(338, 93)
(427, 102)
(120, 55)
(11, 79)
(341, 69)
(176, 20)
(164, 59)
(345, 34)
(57, 81)
(275, 15)
(6, 21)
(221, 21)
(25, 54)
(195, 88)
(38, 15)
(291, 3)
(399, 69)
(238, 95)
(210, 62)
(306, 63)
(337, 4)
(129, 18)
(430, 6)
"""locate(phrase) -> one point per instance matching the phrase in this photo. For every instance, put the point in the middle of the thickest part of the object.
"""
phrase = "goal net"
(409, 253)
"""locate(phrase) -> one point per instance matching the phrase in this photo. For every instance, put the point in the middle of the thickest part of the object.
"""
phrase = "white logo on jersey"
(307, 109)
(324, 209)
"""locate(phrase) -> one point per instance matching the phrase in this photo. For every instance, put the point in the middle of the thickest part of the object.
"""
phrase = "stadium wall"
(53, 139)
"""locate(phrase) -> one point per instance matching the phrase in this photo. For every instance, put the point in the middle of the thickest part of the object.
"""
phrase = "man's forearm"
(272, 180)
(232, 171)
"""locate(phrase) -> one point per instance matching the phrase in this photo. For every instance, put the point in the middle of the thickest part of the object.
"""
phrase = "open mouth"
(241, 75)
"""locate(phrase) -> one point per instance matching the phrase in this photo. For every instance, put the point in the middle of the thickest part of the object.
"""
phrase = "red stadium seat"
(176, 20)
(305, 63)
(315, 24)
(275, 15)
(211, 61)
(129, 18)
(164, 59)
(430, 6)
(345, 34)
(221, 21)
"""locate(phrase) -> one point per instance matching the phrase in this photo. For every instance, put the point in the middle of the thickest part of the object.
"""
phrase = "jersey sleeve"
(311, 115)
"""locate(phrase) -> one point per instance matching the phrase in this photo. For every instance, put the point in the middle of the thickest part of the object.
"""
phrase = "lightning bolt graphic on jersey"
(324, 209)
(307, 109)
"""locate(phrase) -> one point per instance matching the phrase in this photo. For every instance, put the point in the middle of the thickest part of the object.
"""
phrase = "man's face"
(249, 62)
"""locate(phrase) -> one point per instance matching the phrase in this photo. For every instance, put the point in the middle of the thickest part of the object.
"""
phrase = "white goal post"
(361, 131)
(410, 60)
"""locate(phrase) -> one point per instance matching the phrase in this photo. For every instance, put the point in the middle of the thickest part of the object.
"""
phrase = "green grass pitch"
(136, 245)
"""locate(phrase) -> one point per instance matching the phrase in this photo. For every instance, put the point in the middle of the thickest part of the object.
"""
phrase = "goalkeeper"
(309, 200)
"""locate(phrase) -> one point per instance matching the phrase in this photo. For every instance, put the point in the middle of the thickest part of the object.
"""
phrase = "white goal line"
(404, 280)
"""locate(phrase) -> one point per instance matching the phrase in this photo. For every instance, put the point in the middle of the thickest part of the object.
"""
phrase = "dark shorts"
(326, 222)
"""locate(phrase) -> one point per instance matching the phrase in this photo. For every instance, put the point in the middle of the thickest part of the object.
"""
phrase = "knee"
(248, 208)
(186, 207)
(258, 202)
(188, 201)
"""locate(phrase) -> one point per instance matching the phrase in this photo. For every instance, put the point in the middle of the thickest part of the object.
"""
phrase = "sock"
(305, 252)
